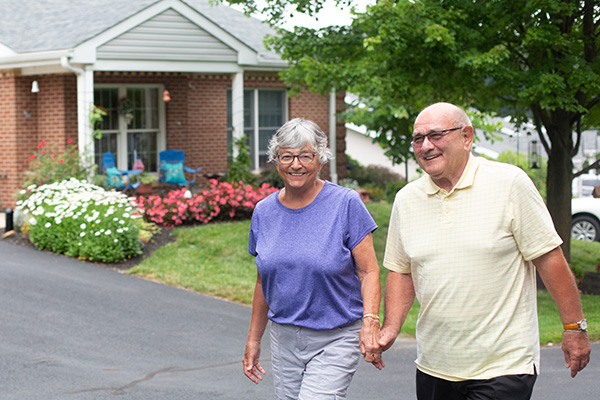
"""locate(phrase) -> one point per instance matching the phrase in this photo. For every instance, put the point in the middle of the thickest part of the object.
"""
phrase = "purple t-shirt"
(304, 257)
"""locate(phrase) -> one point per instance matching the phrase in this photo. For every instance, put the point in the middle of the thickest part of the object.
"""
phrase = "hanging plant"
(126, 109)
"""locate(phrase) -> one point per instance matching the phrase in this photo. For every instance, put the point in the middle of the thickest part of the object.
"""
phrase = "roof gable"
(115, 29)
(167, 36)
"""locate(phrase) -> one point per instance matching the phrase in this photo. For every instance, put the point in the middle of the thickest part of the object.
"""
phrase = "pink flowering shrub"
(48, 166)
(223, 201)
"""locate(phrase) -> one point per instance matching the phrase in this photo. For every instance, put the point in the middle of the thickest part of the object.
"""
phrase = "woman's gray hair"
(297, 133)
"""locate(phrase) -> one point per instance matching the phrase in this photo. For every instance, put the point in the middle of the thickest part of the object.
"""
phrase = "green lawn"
(213, 259)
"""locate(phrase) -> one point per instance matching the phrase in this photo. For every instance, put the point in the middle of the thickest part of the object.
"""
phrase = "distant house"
(172, 74)
(360, 146)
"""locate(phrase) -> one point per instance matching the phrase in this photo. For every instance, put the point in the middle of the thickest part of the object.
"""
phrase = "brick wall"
(28, 118)
(207, 119)
(8, 142)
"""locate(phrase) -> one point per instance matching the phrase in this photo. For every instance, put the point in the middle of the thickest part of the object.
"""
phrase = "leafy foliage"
(537, 61)
(372, 174)
(240, 167)
(96, 116)
(270, 175)
(381, 182)
(537, 175)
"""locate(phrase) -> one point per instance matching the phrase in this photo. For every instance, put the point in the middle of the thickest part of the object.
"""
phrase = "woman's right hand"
(252, 368)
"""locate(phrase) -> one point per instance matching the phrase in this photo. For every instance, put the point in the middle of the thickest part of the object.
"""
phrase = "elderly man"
(466, 239)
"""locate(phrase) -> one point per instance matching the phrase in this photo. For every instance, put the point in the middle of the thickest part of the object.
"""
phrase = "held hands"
(576, 348)
(374, 340)
(368, 341)
(387, 337)
(252, 368)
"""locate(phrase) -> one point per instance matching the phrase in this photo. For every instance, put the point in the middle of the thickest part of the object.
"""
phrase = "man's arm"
(559, 281)
(399, 298)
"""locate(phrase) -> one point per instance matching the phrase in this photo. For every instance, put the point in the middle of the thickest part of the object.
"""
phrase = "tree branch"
(575, 149)
(537, 121)
(594, 165)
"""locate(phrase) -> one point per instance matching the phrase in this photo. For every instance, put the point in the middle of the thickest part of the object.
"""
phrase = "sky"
(329, 15)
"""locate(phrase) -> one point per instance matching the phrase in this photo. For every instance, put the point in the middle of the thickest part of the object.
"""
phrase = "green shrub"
(81, 220)
(374, 175)
(382, 182)
(239, 169)
(375, 192)
(349, 183)
(391, 189)
(270, 176)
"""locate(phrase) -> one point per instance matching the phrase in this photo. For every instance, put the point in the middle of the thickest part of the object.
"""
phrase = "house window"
(265, 110)
(132, 125)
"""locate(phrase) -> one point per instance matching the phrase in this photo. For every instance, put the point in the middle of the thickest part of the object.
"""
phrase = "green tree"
(537, 175)
(536, 61)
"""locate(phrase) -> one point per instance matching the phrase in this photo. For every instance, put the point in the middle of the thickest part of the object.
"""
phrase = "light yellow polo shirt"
(469, 254)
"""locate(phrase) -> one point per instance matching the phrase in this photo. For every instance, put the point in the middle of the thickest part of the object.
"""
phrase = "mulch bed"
(164, 237)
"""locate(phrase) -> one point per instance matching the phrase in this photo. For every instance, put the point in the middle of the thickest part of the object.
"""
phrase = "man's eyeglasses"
(433, 136)
(304, 158)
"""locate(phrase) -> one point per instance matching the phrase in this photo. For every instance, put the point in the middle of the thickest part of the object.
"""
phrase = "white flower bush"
(81, 220)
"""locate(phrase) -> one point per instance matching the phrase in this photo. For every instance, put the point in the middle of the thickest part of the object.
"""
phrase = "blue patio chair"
(172, 169)
(116, 176)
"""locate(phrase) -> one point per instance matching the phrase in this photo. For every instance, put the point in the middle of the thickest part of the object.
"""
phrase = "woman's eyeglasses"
(304, 158)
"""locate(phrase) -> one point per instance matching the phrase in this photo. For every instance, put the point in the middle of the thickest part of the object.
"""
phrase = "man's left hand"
(577, 348)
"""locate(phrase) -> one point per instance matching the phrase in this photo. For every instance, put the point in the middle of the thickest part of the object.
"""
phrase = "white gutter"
(32, 59)
(332, 137)
(85, 102)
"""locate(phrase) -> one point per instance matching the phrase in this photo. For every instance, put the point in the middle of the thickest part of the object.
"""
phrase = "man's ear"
(468, 134)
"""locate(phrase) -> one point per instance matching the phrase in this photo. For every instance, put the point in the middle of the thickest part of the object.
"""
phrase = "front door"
(133, 126)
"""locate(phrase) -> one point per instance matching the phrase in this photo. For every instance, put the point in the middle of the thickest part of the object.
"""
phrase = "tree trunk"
(559, 188)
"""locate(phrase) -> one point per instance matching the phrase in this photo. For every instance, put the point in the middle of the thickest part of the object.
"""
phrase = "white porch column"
(332, 138)
(237, 108)
(85, 102)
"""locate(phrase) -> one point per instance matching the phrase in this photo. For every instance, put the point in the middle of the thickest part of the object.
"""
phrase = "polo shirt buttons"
(445, 209)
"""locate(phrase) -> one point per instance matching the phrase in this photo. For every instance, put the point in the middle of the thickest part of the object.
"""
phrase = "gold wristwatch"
(580, 326)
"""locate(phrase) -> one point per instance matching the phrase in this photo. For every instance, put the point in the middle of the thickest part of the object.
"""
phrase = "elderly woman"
(318, 276)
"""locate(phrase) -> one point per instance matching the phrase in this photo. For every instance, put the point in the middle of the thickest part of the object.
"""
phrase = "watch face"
(583, 324)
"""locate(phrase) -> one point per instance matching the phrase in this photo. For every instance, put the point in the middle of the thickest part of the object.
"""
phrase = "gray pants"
(314, 365)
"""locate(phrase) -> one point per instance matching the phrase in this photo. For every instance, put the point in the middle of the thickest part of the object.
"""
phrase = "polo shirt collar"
(466, 180)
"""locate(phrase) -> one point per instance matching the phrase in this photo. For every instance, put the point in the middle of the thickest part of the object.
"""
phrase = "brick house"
(194, 76)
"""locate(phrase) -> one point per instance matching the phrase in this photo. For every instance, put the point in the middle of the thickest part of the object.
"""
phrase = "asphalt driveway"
(73, 330)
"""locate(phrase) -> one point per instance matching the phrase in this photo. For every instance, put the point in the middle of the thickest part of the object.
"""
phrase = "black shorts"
(513, 387)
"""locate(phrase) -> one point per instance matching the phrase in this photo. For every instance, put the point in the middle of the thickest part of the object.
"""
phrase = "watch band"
(580, 326)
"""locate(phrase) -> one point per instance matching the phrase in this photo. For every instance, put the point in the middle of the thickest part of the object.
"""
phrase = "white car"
(583, 185)
(585, 218)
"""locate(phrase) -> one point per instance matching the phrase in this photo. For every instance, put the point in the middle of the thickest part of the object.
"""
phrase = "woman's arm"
(368, 274)
(258, 324)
